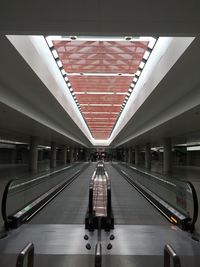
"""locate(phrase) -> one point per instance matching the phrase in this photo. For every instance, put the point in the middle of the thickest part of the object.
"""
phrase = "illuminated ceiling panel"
(100, 83)
(101, 74)
(100, 108)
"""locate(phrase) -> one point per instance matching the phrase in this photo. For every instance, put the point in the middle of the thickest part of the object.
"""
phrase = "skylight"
(101, 73)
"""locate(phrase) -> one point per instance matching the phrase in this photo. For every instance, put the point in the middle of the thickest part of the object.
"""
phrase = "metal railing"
(169, 253)
(183, 213)
(98, 255)
(28, 251)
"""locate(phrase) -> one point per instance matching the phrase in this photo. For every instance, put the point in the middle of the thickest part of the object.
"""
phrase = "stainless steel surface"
(98, 255)
(27, 251)
(129, 240)
(169, 253)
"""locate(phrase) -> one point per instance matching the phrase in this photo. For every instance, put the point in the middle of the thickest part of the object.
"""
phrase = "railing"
(169, 253)
(27, 251)
(22, 198)
(179, 196)
(98, 255)
(99, 201)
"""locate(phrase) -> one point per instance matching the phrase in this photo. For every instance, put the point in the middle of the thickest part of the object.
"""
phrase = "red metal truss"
(100, 83)
(100, 99)
(90, 115)
(100, 56)
(100, 108)
(100, 74)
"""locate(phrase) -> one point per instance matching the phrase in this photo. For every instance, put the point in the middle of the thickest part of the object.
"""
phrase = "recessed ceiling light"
(59, 63)
(54, 52)
(63, 71)
(73, 37)
(128, 38)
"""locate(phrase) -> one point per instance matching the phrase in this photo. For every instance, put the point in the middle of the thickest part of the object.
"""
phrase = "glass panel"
(176, 193)
(23, 191)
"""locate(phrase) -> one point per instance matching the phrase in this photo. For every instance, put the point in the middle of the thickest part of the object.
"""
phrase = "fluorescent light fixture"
(99, 74)
(59, 63)
(100, 105)
(12, 142)
(54, 52)
(98, 118)
(100, 93)
(63, 72)
(96, 112)
(146, 54)
(49, 42)
(151, 40)
(142, 64)
(120, 93)
(193, 148)
(138, 72)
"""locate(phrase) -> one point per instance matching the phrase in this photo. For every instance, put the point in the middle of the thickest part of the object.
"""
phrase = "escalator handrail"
(169, 252)
(28, 251)
(195, 205)
(4, 202)
(98, 255)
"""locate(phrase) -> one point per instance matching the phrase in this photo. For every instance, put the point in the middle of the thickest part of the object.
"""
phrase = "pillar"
(130, 155)
(148, 156)
(64, 155)
(53, 155)
(33, 162)
(137, 155)
(71, 153)
(167, 156)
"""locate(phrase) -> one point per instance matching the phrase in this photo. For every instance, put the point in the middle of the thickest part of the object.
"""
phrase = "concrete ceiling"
(180, 17)
(178, 90)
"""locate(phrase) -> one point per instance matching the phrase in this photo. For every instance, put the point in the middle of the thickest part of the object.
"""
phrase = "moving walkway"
(93, 243)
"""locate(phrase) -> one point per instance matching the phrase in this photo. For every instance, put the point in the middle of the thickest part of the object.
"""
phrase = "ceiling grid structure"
(100, 74)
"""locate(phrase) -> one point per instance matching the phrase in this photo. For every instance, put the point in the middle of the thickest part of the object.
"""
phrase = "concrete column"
(71, 153)
(86, 155)
(67, 155)
(130, 156)
(40, 155)
(13, 156)
(137, 155)
(127, 155)
(33, 162)
(64, 155)
(148, 156)
(167, 156)
(53, 155)
(75, 154)
(189, 158)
